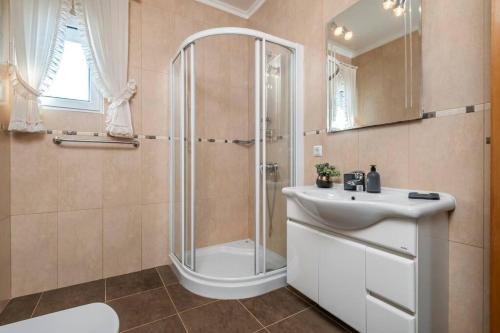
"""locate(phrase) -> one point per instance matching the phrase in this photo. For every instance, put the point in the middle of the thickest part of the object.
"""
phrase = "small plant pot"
(324, 182)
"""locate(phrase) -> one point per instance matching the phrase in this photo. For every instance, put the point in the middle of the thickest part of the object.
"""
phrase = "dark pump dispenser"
(373, 180)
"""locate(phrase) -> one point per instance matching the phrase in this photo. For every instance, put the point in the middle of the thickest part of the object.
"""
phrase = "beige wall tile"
(155, 235)
(34, 253)
(155, 103)
(341, 150)
(486, 295)
(80, 177)
(154, 170)
(466, 288)
(459, 171)
(73, 120)
(80, 246)
(459, 80)
(33, 174)
(122, 240)
(5, 261)
(423, 154)
(122, 177)
(387, 147)
(135, 34)
(4, 175)
(156, 31)
(309, 160)
(134, 73)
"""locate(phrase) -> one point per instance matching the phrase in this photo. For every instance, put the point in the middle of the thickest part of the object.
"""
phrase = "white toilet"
(90, 318)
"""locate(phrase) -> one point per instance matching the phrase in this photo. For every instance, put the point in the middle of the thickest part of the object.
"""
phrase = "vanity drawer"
(383, 318)
(392, 277)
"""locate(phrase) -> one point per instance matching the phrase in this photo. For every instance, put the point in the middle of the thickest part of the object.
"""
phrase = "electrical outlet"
(318, 151)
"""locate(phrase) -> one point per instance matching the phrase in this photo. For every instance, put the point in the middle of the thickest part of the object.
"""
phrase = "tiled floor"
(153, 301)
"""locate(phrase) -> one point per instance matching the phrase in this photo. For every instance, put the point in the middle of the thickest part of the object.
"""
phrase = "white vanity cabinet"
(371, 288)
(341, 279)
(379, 262)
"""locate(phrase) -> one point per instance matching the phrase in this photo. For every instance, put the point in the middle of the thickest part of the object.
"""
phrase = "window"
(73, 87)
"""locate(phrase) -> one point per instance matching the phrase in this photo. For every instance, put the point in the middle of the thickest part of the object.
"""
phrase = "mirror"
(374, 64)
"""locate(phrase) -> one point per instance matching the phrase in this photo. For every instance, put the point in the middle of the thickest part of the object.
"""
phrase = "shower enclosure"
(235, 142)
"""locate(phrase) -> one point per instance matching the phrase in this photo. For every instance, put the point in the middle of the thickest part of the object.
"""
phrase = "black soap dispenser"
(373, 180)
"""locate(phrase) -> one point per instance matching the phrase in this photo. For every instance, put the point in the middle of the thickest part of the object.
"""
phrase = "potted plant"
(326, 173)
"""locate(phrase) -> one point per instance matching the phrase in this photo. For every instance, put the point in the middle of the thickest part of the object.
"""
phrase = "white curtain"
(348, 73)
(38, 29)
(104, 24)
(342, 94)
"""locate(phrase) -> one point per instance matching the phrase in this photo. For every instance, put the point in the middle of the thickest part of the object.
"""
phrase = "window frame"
(95, 104)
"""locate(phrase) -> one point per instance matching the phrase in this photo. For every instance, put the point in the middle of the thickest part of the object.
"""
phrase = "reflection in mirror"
(374, 70)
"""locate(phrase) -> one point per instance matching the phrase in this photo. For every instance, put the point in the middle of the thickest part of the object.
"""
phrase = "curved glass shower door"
(277, 130)
(233, 139)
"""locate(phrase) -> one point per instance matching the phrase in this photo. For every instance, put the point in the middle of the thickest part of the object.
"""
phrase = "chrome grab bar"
(58, 140)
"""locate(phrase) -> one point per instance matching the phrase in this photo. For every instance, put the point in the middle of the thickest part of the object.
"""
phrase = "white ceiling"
(242, 8)
(372, 26)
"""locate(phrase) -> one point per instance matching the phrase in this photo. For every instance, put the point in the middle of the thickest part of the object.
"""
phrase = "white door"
(342, 280)
(302, 259)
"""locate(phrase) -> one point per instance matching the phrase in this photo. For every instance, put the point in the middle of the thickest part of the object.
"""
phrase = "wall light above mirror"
(374, 64)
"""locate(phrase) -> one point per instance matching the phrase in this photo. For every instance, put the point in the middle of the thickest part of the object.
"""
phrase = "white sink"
(349, 210)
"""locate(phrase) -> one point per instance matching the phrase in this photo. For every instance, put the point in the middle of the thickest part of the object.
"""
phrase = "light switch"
(318, 151)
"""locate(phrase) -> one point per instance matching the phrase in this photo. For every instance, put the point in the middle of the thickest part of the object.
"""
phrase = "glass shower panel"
(176, 179)
(189, 147)
(277, 132)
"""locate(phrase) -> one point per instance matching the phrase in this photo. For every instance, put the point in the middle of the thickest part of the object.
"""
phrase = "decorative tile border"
(430, 115)
(249, 142)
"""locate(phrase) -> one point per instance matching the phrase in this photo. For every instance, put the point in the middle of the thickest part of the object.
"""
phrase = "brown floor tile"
(69, 297)
(221, 316)
(274, 306)
(167, 275)
(19, 308)
(171, 325)
(307, 321)
(128, 284)
(301, 295)
(184, 299)
(142, 308)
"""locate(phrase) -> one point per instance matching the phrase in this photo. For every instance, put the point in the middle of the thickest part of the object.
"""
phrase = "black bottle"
(373, 180)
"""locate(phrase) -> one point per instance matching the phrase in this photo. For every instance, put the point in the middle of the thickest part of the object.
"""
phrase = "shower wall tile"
(80, 247)
(154, 171)
(156, 42)
(122, 177)
(155, 101)
(155, 235)
(184, 26)
(80, 177)
(34, 253)
(135, 34)
(121, 240)
(33, 174)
